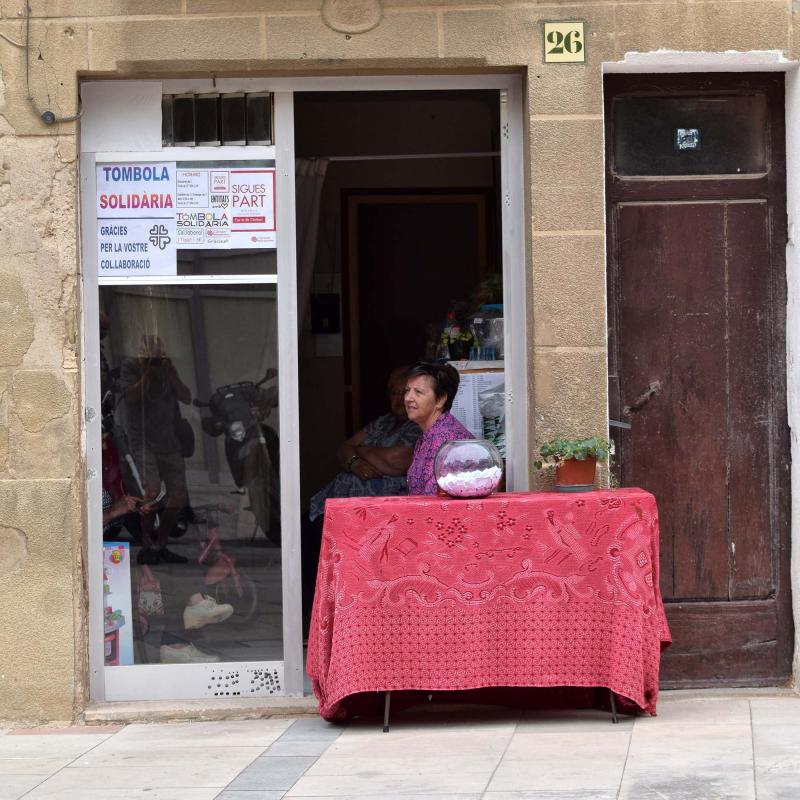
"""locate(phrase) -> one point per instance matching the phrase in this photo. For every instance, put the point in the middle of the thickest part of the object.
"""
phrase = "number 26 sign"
(564, 42)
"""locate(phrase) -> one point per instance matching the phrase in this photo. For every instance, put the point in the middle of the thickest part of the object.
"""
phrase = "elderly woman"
(373, 462)
(430, 391)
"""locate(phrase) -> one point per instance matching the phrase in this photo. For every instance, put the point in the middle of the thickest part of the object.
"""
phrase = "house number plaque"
(564, 42)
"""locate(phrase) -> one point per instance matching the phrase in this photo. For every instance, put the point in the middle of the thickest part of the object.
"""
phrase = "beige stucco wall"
(42, 594)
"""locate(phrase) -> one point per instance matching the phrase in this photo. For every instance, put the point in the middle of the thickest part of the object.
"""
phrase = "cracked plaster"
(13, 550)
(39, 598)
(16, 321)
(39, 397)
(3, 447)
(38, 235)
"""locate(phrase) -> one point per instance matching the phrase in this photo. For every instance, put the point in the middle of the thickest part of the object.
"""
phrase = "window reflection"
(191, 499)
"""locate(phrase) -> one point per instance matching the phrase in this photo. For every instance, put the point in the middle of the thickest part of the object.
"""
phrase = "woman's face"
(422, 404)
(397, 393)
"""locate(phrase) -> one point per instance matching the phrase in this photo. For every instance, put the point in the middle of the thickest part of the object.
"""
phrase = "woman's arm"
(388, 460)
(125, 505)
(350, 459)
(348, 448)
(181, 389)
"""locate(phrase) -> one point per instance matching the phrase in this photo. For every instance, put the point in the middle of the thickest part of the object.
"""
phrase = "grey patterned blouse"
(382, 432)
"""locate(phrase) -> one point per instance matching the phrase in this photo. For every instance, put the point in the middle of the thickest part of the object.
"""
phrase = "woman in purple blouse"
(430, 391)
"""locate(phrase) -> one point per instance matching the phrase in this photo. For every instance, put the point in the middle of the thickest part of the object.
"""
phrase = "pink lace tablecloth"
(527, 589)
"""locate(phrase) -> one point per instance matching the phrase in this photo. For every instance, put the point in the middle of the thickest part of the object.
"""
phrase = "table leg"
(613, 706)
(386, 703)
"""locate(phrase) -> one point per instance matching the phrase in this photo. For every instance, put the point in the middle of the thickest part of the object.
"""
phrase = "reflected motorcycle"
(239, 412)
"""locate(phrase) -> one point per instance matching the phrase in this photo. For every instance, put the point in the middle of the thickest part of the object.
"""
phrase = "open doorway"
(399, 236)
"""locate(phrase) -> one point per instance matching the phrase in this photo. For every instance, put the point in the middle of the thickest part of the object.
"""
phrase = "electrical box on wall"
(325, 317)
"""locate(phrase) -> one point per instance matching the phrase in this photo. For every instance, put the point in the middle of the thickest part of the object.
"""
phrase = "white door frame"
(181, 681)
(119, 136)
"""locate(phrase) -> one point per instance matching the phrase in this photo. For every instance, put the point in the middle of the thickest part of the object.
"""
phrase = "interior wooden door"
(410, 254)
(696, 198)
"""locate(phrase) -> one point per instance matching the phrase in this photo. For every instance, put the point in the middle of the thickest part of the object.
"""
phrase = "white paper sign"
(146, 211)
(465, 406)
(136, 219)
(134, 191)
(220, 208)
(192, 188)
(136, 247)
(253, 207)
(204, 228)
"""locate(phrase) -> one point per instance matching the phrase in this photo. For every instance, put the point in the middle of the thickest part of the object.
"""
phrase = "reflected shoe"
(185, 654)
(207, 612)
(168, 557)
(149, 556)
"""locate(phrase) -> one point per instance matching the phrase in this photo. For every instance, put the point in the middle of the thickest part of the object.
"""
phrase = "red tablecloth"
(526, 589)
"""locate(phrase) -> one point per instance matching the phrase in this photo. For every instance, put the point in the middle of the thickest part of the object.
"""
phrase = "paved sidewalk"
(700, 747)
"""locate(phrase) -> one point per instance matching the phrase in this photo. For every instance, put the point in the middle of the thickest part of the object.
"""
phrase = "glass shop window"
(191, 486)
(227, 262)
(692, 136)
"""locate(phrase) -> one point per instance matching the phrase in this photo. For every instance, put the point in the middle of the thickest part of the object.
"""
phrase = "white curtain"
(309, 178)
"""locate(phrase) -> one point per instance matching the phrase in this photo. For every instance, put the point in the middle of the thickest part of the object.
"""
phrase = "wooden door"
(696, 209)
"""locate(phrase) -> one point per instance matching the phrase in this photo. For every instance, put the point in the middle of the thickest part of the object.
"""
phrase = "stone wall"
(42, 593)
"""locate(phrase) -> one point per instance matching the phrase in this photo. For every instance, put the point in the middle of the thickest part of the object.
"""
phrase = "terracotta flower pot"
(576, 473)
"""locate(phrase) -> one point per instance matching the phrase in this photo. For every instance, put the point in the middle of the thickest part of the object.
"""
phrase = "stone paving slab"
(92, 793)
(31, 766)
(773, 711)
(568, 794)
(372, 783)
(227, 733)
(13, 787)
(570, 762)
(776, 750)
(700, 747)
(273, 773)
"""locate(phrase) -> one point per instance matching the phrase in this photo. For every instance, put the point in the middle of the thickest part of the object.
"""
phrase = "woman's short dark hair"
(445, 379)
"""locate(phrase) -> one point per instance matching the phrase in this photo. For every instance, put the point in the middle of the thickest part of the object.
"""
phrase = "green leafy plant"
(449, 338)
(557, 451)
(455, 331)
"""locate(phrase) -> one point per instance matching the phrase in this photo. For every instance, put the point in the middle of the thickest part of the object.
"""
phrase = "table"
(514, 590)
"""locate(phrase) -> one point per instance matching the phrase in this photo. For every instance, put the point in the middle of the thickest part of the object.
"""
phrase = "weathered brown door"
(696, 202)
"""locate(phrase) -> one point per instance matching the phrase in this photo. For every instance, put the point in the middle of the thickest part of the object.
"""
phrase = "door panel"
(724, 643)
(672, 325)
(697, 368)
(752, 557)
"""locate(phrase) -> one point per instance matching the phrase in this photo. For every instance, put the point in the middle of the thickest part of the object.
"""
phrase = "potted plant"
(457, 338)
(575, 460)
